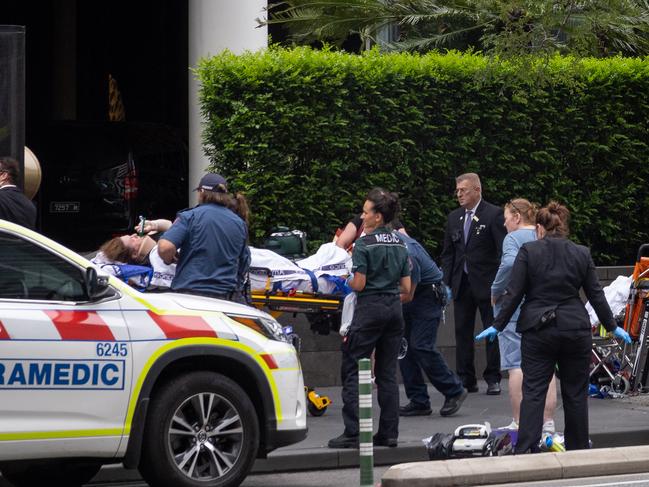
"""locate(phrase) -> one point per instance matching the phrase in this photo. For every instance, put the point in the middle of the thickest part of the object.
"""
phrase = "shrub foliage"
(305, 134)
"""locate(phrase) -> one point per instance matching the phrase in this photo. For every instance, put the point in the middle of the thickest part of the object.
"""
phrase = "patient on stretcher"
(324, 272)
(122, 256)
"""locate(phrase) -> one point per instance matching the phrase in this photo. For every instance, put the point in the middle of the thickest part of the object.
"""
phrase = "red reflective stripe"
(3, 332)
(270, 360)
(80, 325)
(180, 326)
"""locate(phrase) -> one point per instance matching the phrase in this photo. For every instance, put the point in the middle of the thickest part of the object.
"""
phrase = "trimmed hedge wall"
(305, 134)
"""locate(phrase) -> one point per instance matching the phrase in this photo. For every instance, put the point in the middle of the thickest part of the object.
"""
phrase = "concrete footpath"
(613, 423)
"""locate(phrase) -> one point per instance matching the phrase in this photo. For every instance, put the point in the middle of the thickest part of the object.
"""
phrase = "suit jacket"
(17, 208)
(549, 273)
(482, 250)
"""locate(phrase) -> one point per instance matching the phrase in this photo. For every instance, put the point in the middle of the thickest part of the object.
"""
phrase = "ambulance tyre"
(202, 430)
(59, 473)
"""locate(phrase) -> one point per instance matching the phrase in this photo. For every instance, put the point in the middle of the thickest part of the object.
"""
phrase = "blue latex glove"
(490, 333)
(349, 279)
(449, 293)
(620, 332)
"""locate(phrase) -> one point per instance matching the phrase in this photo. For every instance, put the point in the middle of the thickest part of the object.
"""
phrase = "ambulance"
(189, 390)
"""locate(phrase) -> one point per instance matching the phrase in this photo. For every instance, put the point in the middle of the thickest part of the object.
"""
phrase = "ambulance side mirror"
(96, 285)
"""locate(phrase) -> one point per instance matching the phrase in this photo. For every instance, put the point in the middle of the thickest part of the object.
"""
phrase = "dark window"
(28, 271)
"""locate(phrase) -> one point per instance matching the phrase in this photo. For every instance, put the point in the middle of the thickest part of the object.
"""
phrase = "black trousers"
(541, 350)
(464, 309)
(377, 325)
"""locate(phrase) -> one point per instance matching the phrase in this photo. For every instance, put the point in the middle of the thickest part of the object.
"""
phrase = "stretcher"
(297, 302)
(625, 367)
(321, 310)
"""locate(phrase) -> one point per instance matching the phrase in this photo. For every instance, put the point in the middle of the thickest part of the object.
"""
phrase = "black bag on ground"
(440, 446)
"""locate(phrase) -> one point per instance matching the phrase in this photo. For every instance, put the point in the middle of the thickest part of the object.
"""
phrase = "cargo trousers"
(377, 325)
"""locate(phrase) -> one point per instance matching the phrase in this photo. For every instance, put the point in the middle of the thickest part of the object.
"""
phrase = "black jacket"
(482, 251)
(549, 273)
(17, 208)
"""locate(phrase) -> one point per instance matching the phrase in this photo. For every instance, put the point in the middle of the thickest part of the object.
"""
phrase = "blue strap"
(277, 286)
(339, 283)
(314, 279)
(126, 271)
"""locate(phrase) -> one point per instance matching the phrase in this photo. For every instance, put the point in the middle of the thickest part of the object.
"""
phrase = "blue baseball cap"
(213, 182)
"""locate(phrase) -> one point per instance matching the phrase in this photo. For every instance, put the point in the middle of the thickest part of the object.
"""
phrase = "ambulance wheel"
(314, 411)
(621, 384)
(202, 429)
(59, 473)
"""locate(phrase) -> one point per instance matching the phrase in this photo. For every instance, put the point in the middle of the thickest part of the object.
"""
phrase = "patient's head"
(131, 249)
(115, 250)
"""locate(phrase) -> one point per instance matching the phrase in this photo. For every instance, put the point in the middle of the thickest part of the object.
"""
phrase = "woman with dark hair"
(555, 328)
(355, 229)
(380, 274)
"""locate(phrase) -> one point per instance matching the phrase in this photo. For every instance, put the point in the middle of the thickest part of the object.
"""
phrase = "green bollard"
(366, 446)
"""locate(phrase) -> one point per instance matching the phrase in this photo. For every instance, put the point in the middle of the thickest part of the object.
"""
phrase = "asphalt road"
(635, 480)
(322, 478)
(350, 477)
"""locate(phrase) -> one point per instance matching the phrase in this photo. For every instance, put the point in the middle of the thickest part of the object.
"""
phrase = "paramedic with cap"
(214, 256)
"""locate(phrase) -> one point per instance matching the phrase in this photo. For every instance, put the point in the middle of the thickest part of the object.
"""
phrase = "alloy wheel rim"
(205, 436)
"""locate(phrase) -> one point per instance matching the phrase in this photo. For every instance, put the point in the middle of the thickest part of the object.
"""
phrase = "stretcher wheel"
(621, 384)
(314, 411)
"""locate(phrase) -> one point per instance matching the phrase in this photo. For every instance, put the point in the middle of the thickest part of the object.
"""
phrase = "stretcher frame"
(294, 301)
(319, 305)
(297, 303)
(633, 370)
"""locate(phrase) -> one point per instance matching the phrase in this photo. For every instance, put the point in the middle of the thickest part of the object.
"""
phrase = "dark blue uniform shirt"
(424, 271)
(214, 254)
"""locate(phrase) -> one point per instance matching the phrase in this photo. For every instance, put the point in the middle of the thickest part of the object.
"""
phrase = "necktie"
(467, 225)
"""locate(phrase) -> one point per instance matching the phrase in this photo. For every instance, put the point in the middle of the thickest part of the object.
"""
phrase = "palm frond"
(599, 27)
(436, 41)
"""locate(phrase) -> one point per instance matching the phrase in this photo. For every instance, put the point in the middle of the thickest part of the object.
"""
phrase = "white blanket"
(329, 260)
(162, 276)
(617, 294)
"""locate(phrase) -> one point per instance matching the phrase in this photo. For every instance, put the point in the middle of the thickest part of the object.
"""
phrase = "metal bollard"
(366, 447)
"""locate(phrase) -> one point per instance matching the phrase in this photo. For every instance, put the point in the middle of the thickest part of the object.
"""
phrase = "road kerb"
(521, 468)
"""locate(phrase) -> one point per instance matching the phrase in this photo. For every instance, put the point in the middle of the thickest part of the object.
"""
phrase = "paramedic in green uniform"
(381, 272)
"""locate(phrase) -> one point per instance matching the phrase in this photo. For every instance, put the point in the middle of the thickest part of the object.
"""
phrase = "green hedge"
(306, 133)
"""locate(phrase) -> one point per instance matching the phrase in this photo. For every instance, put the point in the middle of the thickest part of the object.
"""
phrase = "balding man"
(470, 259)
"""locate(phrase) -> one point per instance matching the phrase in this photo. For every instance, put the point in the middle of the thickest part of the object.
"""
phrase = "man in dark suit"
(470, 259)
(14, 205)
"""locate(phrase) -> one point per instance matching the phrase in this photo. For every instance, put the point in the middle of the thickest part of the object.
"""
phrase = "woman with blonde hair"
(520, 221)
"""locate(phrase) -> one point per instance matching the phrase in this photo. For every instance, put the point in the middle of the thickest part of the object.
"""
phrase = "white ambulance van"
(189, 390)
